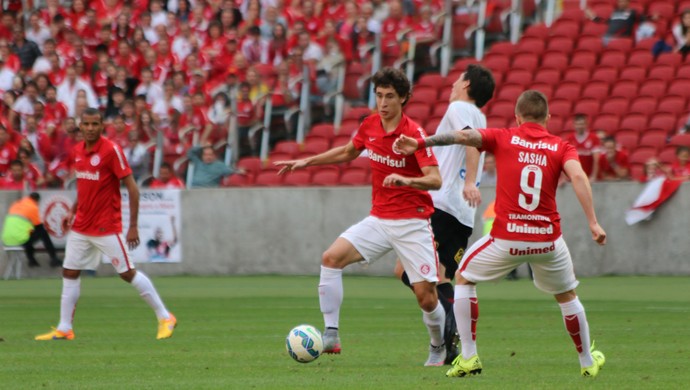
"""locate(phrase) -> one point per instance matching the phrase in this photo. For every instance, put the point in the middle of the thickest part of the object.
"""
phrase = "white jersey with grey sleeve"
(451, 162)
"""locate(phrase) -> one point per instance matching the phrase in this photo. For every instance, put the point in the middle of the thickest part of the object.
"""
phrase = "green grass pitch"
(231, 335)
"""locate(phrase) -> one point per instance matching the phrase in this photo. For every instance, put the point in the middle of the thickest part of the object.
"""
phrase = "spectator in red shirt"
(8, 151)
(392, 25)
(7, 22)
(167, 179)
(118, 132)
(680, 168)
(613, 162)
(15, 180)
(587, 144)
(31, 171)
(246, 118)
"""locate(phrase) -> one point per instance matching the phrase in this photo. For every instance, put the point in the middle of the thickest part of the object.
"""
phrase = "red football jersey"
(529, 162)
(395, 202)
(98, 173)
(586, 147)
(174, 183)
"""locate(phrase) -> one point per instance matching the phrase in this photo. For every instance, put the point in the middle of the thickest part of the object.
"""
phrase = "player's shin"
(435, 322)
(71, 289)
(331, 295)
(148, 292)
(576, 324)
(466, 309)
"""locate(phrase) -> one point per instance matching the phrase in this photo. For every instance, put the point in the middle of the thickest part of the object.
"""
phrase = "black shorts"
(451, 240)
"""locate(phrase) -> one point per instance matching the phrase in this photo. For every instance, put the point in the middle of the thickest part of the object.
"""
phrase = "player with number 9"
(529, 162)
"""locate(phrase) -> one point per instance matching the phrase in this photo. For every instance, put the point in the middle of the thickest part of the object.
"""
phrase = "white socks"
(466, 310)
(146, 290)
(435, 321)
(331, 295)
(71, 288)
(576, 324)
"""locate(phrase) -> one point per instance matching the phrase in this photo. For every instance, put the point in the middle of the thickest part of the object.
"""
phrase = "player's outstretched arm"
(407, 145)
(336, 155)
(430, 181)
(583, 190)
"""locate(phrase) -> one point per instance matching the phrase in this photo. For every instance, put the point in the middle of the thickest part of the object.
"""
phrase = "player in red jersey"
(96, 226)
(400, 212)
(587, 144)
(527, 228)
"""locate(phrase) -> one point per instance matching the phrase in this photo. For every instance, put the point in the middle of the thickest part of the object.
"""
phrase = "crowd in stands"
(171, 67)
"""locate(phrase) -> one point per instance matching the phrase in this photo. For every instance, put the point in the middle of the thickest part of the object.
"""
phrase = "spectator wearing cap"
(68, 90)
(254, 48)
(26, 50)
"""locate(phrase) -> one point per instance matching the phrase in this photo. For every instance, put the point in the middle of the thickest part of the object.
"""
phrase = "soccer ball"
(304, 343)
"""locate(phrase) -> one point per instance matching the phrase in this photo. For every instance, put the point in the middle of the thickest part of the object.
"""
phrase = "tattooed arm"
(407, 145)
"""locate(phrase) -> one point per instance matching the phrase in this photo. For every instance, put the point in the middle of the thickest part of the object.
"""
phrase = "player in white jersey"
(527, 227)
(456, 201)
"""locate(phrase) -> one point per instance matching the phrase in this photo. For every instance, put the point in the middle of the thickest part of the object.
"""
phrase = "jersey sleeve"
(489, 139)
(118, 163)
(569, 152)
(358, 139)
(425, 157)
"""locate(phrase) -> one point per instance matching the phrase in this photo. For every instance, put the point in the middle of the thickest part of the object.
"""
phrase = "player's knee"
(127, 276)
(426, 296)
(70, 273)
(331, 259)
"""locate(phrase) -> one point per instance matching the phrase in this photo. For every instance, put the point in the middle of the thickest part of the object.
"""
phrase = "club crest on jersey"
(95, 160)
(424, 269)
(115, 261)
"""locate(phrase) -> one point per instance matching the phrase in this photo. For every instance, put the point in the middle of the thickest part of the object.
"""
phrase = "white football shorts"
(411, 239)
(491, 259)
(85, 252)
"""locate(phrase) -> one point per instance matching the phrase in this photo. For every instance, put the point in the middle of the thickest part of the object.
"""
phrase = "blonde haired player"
(96, 230)
(529, 162)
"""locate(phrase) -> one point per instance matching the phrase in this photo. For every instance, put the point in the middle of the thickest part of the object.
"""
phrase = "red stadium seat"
(636, 122)
(297, 179)
(593, 29)
(339, 140)
(583, 59)
(503, 108)
(355, 177)
(530, 45)
(624, 88)
(654, 139)
(348, 126)
(322, 130)
(624, 45)
(236, 180)
(538, 30)
(627, 139)
(606, 122)
(290, 148)
(433, 80)
(505, 48)
(667, 156)
(419, 112)
(664, 121)
(461, 64)
(643, 105)
(673, 104)
(545, 88)
(251, 165)
(268, 179)
(316, 146)
(563, 45)
(555, 125)
(606, 74)
(510, 92)
(423, 94)
(680, 140)
(566, 28)
(548, 76)
(567, 90)
(633, 73)
(683, 72)
(589, 107)
(654, 88)
(325, 178)
(617, 105)
(614, 59)
(643, 59)
(595, 90)
(662, 72)
(525, 61)
(362, 163)
(495, 121)
(554, 60)
(641, 155)
(591, 44)
(358, 113)
(432, 125)
(680, 87)
(577, 75)
(497, 62)
(519, 77)
(603, 10)
(439, 109)
(560, 107)
(663, 9)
